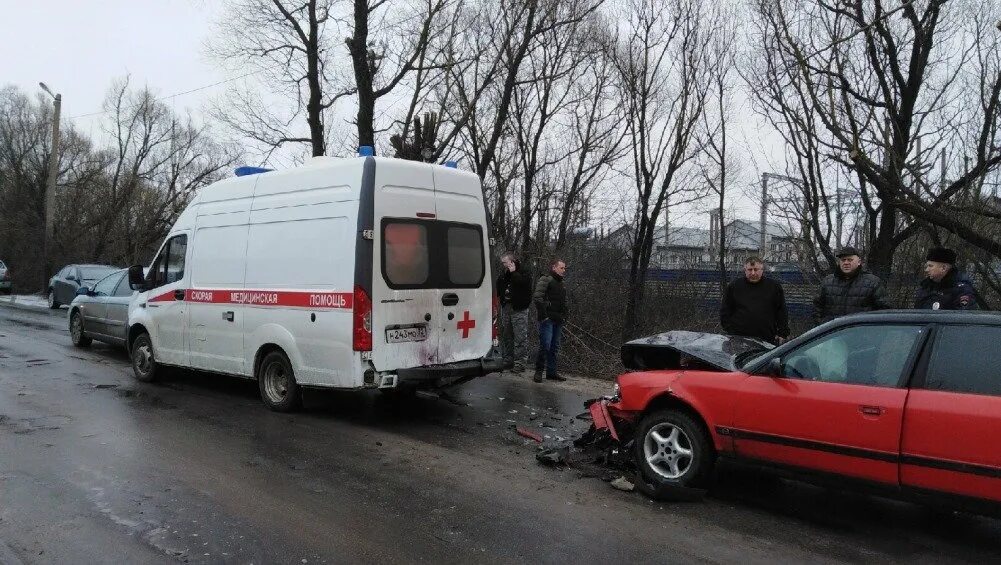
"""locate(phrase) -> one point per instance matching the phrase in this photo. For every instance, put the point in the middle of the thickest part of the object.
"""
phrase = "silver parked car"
(5, 279)
(101, 312)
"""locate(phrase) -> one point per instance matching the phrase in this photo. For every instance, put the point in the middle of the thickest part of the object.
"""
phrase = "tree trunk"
(314, 110)
(358, 48)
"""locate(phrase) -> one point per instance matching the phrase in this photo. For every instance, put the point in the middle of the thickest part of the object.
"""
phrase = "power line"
(176, 94)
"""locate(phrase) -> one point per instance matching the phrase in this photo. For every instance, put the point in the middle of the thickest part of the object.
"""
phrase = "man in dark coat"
(514, 292)
(551, 303)
(849, 290)
(755, 305)
(944, 288)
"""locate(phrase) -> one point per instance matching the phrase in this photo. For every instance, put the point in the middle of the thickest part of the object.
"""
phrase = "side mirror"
(137, 281)
(83, 291)
(775, 367)
(71, 278)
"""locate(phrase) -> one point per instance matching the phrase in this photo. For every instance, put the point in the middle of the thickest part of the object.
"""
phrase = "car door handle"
(871, 410)
(228, 316)
(179, 294)
(450, 299)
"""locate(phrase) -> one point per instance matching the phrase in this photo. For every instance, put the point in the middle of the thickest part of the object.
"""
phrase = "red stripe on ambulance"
(277, 298)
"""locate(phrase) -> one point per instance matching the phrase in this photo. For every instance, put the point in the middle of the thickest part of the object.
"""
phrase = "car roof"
(978, 317)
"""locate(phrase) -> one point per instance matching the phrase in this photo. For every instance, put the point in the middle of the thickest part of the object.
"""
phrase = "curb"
(11, 303)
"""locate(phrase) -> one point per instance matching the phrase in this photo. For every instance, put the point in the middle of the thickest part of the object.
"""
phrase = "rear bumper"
(448, 371)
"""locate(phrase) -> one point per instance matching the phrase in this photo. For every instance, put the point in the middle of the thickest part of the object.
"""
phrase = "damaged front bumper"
(606, 415)
(611, 435)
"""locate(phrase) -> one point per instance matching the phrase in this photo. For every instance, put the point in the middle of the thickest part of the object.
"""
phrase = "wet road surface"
(98, 468)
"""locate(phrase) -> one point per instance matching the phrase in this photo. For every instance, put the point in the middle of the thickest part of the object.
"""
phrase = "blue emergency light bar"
(244, 171)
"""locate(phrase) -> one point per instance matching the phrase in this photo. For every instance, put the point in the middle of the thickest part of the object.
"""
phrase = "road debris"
(607, 451)
(528, 433)
(554, 456)
(623, 484)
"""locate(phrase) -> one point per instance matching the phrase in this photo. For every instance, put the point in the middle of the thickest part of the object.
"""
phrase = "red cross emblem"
(465, 324)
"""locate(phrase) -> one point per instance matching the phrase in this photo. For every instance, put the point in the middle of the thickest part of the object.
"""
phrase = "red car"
(905, 401)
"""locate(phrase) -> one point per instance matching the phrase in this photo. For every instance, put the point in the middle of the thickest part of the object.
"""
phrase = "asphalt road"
(98, 468)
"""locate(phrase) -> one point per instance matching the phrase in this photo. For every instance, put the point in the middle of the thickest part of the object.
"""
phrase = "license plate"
(400, 334)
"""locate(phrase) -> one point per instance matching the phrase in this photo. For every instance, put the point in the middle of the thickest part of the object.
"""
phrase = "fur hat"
(941, 255)
(847, 252)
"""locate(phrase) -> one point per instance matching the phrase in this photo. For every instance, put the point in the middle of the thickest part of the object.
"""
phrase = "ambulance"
(353, 273)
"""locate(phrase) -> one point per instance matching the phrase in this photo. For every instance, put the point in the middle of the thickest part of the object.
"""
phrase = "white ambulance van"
(343, 273)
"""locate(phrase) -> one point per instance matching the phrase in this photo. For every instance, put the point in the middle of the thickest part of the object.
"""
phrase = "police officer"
(944, 288)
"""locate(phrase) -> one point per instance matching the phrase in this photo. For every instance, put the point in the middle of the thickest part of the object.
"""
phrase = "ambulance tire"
(276, 381)
(144, 363)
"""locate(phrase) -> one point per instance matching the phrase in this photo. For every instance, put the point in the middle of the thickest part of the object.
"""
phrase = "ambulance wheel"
(144, 363)
(276, 380)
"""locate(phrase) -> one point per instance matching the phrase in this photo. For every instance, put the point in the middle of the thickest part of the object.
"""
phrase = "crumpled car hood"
(688, 350)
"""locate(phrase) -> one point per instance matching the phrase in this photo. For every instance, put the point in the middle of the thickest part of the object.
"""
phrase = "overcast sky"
(79, 47)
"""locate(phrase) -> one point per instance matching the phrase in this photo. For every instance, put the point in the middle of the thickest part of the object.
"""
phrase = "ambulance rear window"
(465, 256)
(406, 253)
(426, 254)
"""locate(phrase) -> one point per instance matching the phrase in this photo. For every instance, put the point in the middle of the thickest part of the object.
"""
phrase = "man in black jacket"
(849, 290)
(551, 303)
(755, 305)
(514, 292)
(944, 288)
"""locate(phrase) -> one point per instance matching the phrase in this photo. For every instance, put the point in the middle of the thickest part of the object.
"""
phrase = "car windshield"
(749, 358)
(94, 273)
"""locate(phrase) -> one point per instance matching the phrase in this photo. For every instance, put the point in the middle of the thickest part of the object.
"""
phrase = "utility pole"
(48, 239)
(763, 234)
(764, 215)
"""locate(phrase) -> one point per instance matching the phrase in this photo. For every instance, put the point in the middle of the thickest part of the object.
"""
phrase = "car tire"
(673, 448)
(276, 380)
(53, 303)
(77, 334)
(144, 363)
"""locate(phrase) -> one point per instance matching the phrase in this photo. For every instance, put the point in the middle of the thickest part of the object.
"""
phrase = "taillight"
(362, 320)
(495, 309)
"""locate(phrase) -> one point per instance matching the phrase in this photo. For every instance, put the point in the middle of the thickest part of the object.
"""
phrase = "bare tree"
(113, 203)
(717, 159)
(285, 44)
(662, 64)
(380, 66)
(156, 162)
(864, 86)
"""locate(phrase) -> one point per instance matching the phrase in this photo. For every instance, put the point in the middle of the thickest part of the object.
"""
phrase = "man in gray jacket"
(849, 290)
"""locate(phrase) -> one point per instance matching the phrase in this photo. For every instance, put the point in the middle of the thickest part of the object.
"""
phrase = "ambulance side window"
(169, 265)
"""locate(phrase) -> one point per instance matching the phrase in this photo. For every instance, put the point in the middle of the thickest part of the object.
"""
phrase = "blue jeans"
(549, 344)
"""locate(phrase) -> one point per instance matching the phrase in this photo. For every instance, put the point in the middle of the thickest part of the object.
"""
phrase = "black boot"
(555, 377)
(538, 376)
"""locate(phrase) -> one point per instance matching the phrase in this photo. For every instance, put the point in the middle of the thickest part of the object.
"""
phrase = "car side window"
(64, 273)
(874, 355)
(123, 288)
(962, 360)
(106, 286)
(169, 264)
